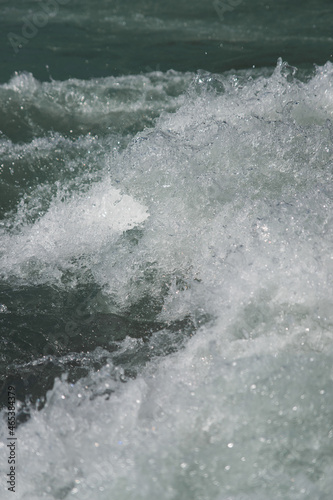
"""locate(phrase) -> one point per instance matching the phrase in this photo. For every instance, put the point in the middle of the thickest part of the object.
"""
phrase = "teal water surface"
(81, 39)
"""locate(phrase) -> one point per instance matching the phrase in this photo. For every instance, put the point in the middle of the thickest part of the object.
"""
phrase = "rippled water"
(81, 38)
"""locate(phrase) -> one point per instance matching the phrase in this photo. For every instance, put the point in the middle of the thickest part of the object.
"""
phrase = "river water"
(166, 252)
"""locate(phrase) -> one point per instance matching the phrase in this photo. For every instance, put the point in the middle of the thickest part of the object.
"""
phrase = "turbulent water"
(166, 263)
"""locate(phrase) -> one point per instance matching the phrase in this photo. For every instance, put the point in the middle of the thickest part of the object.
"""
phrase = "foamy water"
(220, 215)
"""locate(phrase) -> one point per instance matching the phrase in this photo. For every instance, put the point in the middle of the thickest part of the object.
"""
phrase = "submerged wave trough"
(213, 230)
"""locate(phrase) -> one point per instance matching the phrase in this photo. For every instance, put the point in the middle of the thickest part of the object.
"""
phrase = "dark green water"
(118, 37)
(166, 248)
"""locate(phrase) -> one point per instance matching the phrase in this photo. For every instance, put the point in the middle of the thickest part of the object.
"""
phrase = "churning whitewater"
(212, 212)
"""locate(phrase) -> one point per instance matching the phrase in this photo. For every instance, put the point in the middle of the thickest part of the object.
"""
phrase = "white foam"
(75, 226)
(123, 104)
(237, 185)
(241, 418)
